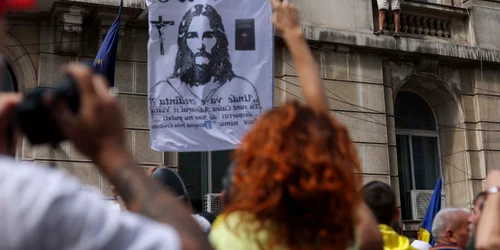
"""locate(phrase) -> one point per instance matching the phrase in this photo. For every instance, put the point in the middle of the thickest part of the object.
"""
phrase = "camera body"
(35, 117)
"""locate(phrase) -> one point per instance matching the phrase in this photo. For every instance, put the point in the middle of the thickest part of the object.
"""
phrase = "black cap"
(209, 216)
(171, 180)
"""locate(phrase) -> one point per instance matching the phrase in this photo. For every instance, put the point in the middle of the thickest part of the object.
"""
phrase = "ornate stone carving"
(69, 22)
(426, 26)
(427, 66)
(418, 24)
(439, 28)
(446, 29)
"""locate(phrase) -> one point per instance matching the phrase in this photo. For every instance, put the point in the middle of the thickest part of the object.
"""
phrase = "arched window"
(418, 150)
(9, 82)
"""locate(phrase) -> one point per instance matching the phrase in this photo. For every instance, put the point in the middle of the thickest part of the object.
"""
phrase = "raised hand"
(8, 103)
(286, 21)
(285, 16)
(99, 124)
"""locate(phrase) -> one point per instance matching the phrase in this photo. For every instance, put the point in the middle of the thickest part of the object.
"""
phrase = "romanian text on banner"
(210, 72)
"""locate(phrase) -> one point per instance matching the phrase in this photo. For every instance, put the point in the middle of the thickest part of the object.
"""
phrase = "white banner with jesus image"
(210, 71)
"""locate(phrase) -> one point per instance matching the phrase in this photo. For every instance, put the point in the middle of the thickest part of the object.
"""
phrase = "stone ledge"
(408, 45)
(437, 9)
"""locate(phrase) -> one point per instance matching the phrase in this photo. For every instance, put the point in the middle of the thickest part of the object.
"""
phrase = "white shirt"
(421, 245)
(203, 223)
(43, 208)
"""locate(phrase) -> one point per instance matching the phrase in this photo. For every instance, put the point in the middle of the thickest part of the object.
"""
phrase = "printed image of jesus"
(203, 68)
(203, 90)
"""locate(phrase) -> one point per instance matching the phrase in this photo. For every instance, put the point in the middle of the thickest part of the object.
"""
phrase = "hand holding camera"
(98, 123)
(80, 109)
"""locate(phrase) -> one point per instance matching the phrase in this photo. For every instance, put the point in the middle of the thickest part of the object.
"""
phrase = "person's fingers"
(66, 119)
(101, 87)
(275, 3)
(83, 77)
(8, 104)
(285, 3)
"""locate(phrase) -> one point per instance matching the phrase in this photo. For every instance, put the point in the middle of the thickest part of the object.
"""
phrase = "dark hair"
(169, 179)
(382, 201)
(220, 59)
(210, 217)
(478, 197)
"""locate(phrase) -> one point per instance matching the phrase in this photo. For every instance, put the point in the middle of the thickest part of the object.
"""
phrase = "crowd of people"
(292, 184)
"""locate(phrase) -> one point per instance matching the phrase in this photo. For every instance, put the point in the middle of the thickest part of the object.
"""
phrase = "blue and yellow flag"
(432, 210)
(105, 61)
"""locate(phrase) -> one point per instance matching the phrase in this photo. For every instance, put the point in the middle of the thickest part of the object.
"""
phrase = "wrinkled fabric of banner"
(210, 72)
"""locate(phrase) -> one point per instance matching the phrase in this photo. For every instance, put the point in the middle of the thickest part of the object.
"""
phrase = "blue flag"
(105, 61)
(432, 210)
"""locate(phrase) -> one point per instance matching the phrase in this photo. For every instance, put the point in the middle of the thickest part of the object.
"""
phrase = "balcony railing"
(421, 20)
(420, 25)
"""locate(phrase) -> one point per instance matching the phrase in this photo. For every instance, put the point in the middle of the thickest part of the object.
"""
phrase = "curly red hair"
(296, 168)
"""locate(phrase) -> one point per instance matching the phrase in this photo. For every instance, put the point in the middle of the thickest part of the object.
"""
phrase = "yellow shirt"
(224, 237)
(392, 240)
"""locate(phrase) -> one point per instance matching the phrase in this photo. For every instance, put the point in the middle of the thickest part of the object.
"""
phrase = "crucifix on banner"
(160, 24)
(244, 35)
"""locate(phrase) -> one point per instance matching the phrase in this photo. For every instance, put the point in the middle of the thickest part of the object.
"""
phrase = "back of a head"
(382, 201)
(446, 218)
(296, 169)
(172, 181)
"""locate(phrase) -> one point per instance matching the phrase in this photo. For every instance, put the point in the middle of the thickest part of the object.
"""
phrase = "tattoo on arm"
(144, 195)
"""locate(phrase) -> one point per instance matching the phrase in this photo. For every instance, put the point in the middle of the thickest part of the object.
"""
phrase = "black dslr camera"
(35, 118)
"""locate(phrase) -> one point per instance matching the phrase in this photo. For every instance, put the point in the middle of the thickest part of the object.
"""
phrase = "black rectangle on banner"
(245, 34)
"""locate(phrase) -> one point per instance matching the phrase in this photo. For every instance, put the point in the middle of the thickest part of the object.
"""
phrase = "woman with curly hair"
(293, 183)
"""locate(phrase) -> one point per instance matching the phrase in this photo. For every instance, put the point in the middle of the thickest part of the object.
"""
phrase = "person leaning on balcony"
(383, 6)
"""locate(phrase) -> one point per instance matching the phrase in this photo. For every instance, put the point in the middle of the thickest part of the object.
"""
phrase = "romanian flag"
(432, 210)
(105, 61)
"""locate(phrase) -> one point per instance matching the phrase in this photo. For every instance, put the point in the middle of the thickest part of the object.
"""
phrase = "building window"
(202, 173)
(9, 82)
(417, 147)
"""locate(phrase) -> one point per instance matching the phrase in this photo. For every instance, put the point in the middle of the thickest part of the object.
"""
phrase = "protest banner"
(210, 71)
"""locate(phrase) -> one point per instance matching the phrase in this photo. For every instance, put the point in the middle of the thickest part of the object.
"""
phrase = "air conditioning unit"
(213, 203)
(420, 200)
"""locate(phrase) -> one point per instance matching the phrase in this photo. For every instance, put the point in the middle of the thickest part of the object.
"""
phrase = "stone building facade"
(418, 107)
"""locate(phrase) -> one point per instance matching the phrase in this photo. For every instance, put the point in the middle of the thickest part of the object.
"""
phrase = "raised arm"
(286, 21)
(97, 131)
(488, 231)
